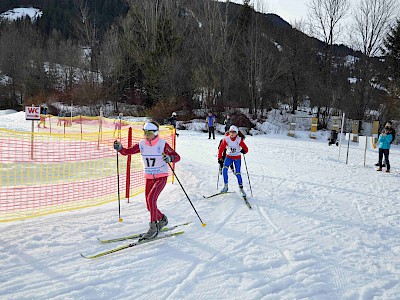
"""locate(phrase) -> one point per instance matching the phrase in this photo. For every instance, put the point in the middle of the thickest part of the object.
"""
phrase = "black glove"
(168, 158)
(243, 151)
(117, 146)
(221, 162)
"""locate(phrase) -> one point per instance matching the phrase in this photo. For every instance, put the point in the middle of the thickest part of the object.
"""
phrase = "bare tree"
(372, 21)
(325, 17)
(216, 40)
(87, 33)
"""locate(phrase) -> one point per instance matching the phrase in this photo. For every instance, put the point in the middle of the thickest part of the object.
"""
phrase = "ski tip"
(83, 255)
(102, 241)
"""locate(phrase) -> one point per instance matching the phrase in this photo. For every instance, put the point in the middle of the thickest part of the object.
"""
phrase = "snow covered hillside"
(319, 229)
(19, 13)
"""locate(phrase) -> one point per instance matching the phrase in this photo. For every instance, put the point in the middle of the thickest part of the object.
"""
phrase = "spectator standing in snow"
(118, 125)
(393, 133)
(227, 123)
(384, 146)
(234, 144)
(43, 116)
(172, 120)
(60, 118)
(210, 123)
(156, 155)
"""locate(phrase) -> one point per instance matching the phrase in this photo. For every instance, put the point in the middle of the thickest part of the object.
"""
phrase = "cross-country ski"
(138, 235)
(159, 237)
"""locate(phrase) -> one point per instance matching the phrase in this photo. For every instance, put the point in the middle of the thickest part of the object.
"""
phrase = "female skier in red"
(234, 144)
(156, 154)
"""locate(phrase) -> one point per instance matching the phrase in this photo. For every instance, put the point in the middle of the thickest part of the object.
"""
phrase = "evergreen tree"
(392, 56)
(392, 51)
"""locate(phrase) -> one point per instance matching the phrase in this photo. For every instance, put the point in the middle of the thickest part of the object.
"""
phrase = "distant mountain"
(278, 21)
(58, 14)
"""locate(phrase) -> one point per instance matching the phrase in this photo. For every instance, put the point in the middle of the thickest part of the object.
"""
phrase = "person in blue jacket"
(384, 146)
(210, 123)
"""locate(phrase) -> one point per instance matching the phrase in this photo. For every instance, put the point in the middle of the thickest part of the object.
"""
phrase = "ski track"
(314, 233)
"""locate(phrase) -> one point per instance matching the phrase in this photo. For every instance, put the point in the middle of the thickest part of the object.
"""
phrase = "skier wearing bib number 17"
(234, 144)
(156, 154)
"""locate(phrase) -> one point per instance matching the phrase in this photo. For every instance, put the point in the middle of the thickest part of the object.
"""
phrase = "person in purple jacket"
(384, 146)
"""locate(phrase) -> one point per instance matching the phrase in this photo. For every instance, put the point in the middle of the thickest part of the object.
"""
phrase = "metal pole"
(365, 150)
(248, 177)
(202, 224)
(348, 146)
(71, 114)
(219, 171)
(119, 196)
(341, 133)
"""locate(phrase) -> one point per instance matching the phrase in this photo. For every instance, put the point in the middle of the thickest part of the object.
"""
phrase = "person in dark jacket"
(227, 123)
(172, 120)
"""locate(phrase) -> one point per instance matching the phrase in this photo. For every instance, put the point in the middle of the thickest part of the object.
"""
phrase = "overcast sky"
(289, 10)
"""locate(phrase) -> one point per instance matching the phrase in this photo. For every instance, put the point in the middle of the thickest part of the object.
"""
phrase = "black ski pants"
(383, 152)
(211, 130)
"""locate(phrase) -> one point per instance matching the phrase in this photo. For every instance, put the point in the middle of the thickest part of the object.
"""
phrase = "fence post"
(128, 166)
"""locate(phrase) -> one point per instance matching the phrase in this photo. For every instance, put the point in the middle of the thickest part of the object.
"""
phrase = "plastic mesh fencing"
(69, 166)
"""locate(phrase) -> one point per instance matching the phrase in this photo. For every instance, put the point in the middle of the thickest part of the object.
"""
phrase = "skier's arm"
(221, 149)
(244, 146)
(171, 152)
(128, 151)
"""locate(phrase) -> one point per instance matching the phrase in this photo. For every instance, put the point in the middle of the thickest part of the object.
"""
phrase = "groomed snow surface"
(319, 229)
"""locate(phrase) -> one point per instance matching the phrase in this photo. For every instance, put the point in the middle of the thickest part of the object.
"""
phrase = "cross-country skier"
(234, 144)
(156, 154)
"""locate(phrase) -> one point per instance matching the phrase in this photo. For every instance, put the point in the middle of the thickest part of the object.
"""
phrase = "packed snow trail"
(319, 229)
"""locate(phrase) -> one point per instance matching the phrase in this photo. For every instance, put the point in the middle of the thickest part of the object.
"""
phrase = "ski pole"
(219, 171)
(119, 197)
(248, 177)
(202, 224)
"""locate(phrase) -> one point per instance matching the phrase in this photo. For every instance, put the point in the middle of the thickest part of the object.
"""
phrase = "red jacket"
(224, 145)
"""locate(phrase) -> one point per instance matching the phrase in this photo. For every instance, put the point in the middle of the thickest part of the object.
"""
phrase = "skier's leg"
(154, 191)
(238, 164)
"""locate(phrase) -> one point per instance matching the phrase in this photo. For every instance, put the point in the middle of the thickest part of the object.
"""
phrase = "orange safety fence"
(68, 168)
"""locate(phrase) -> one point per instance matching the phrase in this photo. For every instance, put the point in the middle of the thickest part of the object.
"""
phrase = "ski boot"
(224, 189)
(151, 233)
(241, 191)
(162, 223)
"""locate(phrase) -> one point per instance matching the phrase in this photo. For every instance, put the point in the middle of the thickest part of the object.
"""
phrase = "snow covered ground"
(319, 229)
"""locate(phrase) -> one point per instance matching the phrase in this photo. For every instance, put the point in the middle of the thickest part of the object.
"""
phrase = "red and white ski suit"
(155, 169)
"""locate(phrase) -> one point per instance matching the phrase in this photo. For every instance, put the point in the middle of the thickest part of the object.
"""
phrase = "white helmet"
(234, 128)
(174, 114)
(149, 126)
